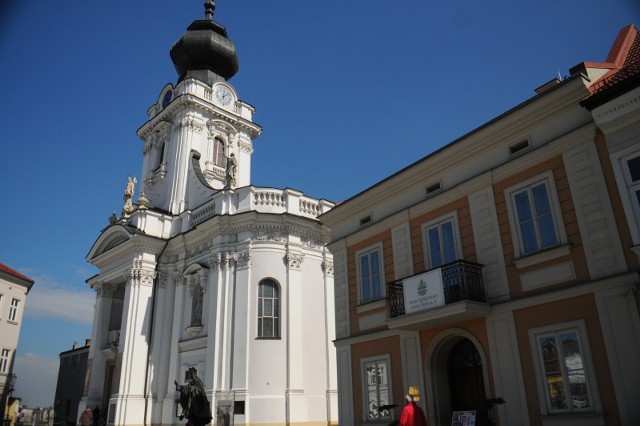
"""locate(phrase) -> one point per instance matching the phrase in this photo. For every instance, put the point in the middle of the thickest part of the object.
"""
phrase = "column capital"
(294, 260)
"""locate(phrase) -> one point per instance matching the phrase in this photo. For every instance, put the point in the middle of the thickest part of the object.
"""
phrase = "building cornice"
(212, 111)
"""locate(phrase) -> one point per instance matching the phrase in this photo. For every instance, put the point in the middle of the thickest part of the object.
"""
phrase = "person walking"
(86, 418)
(412, 415)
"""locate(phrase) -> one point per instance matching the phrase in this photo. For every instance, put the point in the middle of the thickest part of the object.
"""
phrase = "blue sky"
(347, 92)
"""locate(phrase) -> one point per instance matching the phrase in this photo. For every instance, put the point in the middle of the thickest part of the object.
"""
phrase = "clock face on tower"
(223, 95)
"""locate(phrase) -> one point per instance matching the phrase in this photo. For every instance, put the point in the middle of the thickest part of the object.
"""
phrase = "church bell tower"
(199, 136)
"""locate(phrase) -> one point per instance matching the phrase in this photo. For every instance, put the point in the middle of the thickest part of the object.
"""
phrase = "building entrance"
(466, 383)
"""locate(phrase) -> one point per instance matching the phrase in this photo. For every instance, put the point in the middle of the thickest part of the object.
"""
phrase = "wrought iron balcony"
(461, 280)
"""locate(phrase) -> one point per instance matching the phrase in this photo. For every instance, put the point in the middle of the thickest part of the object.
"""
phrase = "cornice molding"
(185, 101)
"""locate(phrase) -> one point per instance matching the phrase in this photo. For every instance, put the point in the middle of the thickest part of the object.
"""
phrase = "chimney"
(87, 342)
(75, 345)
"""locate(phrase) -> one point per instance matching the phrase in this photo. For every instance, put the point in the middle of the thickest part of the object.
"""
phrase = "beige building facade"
(14, 288)
(498, 275)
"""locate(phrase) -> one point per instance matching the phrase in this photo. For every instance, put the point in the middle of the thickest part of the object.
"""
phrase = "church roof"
(205, 49)
(6, 269)
(623, 63)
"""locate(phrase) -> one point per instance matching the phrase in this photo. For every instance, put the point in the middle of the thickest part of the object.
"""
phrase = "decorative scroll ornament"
(163, 277)
(265, 236)
(220, 261)
(104, 289)
(327, 267)
(140, 276)
(294, 261)
(243, 260)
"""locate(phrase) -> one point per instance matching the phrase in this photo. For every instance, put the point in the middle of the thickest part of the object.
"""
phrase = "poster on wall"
(224, 411)
(423, 292)
(463, 418)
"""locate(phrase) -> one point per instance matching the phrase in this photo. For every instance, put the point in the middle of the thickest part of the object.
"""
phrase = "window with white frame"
(535, 215)
(564, 369)
(4, 361)
(13, 309)
(441, 241)
(632, 179)
(1, 300)
(268, 309)
(370, 274)
(376, 375)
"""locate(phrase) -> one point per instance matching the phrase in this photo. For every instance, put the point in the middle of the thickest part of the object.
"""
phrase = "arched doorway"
(456, 375)
(466, 383)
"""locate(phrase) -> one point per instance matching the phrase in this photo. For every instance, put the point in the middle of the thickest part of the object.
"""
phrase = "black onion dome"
(205, 47)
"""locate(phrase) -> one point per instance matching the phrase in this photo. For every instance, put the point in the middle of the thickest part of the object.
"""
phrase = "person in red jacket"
(412, 415)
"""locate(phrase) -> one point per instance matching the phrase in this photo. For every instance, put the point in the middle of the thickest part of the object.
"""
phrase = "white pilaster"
(296, 403)
(134, 337)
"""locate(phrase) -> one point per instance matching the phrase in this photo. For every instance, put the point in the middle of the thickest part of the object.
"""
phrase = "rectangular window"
(13, 309)
(4, 361)
(370, 271)
(534, 218)
(1, 300)
(633, 179)
(565, 369)
(377, 389)
(441, 243)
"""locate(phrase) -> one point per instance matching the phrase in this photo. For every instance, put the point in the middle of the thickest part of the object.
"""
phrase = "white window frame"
(4, 361)
(1, 303)
(276, 311)
(13, 310)
(449, 217)
(363, 252)
(554, 202)
(625, 187)
(386, 358)
(579, 326)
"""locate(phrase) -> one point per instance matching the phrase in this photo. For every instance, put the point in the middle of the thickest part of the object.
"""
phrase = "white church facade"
(206, 271)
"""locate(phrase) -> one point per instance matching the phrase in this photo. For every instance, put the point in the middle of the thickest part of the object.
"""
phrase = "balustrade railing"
(461, 280)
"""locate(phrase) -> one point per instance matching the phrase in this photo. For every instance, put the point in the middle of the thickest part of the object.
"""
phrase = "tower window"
(219, 158)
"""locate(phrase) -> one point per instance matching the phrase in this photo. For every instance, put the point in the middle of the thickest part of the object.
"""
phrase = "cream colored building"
(503, 265)
(14, 288)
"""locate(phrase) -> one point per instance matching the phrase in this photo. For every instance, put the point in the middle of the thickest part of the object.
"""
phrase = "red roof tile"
(624, 64)
(16, 274)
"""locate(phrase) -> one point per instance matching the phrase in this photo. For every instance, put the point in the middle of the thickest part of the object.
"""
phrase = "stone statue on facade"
(127, 209)
(232, 171)
(193, 400)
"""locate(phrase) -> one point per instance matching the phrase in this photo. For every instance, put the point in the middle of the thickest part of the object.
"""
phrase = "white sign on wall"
(423, 291)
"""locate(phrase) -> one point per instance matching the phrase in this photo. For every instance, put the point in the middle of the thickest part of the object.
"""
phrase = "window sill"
(370, 306)
(268, 338)
(582, 419)
(542, 256)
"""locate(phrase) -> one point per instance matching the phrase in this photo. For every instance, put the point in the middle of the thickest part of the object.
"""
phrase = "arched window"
(268, 309)
(219, 158)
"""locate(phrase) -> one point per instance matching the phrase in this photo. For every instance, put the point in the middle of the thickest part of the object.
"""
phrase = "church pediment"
(110, 238)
